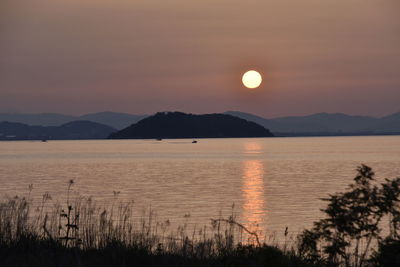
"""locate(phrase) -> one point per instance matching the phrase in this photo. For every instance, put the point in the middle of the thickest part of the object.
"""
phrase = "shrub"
(354, 221)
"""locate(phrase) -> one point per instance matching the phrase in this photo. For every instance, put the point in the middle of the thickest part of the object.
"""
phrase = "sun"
(252, 79)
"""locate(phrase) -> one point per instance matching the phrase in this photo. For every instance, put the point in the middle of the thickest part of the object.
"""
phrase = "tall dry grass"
(83, 223)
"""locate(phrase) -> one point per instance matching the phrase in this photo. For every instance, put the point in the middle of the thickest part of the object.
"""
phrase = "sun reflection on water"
(252, 148)
(253, 191)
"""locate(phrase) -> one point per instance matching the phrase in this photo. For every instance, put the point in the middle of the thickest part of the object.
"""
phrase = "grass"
(82, 233)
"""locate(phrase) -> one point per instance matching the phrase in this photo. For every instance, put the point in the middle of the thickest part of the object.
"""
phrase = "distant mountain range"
(326, 124)
(181, 125)
(114, 119)
(68, 131)
(320, 124)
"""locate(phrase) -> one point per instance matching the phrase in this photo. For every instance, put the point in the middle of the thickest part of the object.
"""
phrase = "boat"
(194, 142)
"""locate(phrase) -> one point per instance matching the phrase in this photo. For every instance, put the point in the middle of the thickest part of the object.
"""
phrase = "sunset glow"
(140, 57)
(199, 133)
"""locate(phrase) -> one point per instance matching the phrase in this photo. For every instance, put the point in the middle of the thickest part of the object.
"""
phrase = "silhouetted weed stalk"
(83, 224)
(349, 235)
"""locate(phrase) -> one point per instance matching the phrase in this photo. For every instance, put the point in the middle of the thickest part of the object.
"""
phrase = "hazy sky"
(144, 56)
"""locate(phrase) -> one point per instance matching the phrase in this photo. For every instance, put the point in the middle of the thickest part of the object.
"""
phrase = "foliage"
(388, 254)
(353, 222)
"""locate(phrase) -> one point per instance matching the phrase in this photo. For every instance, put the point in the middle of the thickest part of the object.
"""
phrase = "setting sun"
(252, 79)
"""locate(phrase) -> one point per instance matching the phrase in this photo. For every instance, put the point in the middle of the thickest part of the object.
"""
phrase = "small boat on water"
(44, 140)
(194, 142)
(159, 139)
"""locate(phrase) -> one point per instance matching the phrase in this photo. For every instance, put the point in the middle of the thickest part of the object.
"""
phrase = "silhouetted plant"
(71, 220)
(353, 221)
(388, 254)
(86, 232)
(14, 223)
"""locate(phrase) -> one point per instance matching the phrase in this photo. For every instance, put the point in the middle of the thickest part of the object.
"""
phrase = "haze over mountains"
(311, 125)
(68, 131)
(114, 119)
(326, 124)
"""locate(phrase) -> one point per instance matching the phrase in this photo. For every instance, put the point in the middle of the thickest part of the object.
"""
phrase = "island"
(172, 125)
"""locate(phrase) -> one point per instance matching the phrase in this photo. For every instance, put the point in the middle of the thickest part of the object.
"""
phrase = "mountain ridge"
(117, 120)
(322, 123)
(68, 131)
(168, 125)
(327, 123)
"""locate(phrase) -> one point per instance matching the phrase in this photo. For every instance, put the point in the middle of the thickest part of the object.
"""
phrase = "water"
(273, 183)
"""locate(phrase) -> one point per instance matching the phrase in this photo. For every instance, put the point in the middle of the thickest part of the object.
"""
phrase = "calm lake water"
(273, 182)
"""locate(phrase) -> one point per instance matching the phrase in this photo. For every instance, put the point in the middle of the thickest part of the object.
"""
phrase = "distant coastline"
(320, 124)
(334, 134)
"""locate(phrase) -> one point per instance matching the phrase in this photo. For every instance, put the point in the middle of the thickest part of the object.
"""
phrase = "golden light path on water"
(253, 191)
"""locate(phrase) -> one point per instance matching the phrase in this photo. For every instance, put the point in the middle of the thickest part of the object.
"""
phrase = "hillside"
(318, 124)
(68, 131)
(326, 124)
(115, 120)
(42, 119)
(181, 125)
(389, 123)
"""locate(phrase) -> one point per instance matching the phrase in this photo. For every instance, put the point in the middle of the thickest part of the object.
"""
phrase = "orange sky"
(144, 56)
